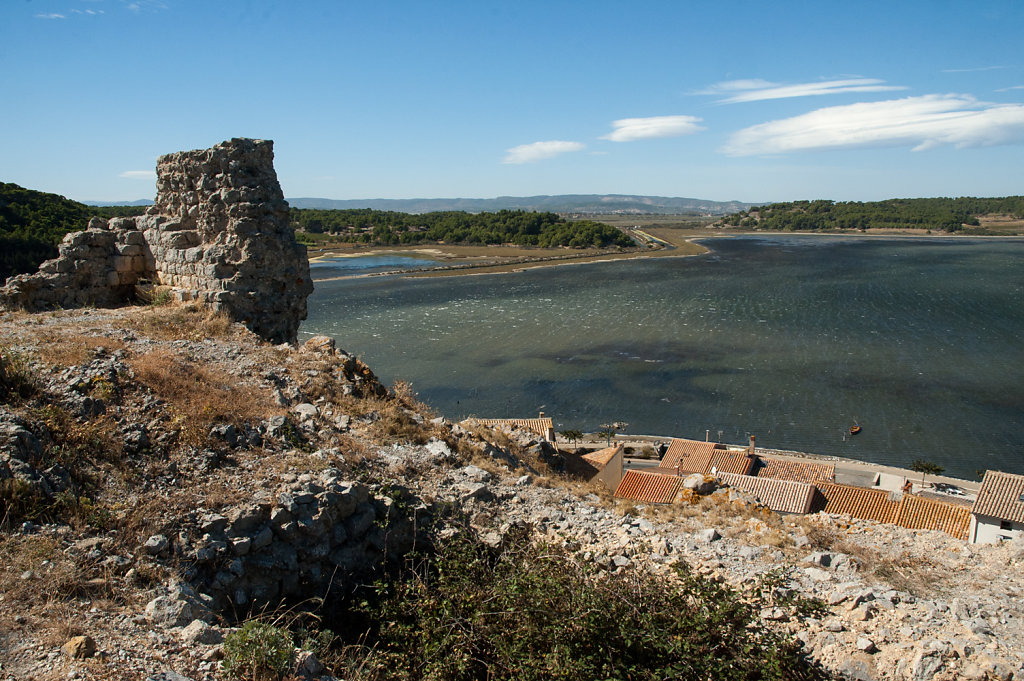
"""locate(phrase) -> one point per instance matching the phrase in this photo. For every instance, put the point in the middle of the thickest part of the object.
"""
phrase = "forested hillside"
(33, 223)
(504, 227)
(939, 214)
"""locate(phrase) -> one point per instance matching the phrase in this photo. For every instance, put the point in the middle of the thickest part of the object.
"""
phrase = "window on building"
(1005, 525)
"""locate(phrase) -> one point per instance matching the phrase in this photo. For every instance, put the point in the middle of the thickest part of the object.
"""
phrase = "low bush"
(535, 612)
(258, 652)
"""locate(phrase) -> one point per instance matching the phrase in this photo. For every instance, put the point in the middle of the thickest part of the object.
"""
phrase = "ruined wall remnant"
(218, 233)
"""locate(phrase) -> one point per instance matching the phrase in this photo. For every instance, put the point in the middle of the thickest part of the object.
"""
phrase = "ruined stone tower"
(218, 233)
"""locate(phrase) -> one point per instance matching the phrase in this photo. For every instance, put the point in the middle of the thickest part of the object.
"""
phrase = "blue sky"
(752, 101)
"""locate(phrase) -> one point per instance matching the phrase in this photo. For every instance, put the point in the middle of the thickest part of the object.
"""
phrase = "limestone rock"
(199, 631)
(79, 647)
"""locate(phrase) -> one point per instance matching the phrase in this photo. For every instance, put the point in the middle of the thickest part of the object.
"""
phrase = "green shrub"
(15, 376)
(257, 652)
(536, 612)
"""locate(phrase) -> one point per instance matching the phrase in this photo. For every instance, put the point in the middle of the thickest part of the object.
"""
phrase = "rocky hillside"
(170, 483)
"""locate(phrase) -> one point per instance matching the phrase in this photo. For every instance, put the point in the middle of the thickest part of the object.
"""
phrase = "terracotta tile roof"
(782, 496)
(801, 471)
(601, 457)
(692, 456)
(859, 502)
(731, 462)
(916, 513)
(655, 488)
(540, 427)
(1001, 496)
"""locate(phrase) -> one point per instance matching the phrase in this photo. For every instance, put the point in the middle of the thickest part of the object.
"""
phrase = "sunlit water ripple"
(791, 338)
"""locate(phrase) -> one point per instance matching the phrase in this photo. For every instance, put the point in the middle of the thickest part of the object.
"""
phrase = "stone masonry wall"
(218, 233)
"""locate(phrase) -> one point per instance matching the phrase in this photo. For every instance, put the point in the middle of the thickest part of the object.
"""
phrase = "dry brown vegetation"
(177, 322)
(917, 575)
(68, 349)
(199, 396)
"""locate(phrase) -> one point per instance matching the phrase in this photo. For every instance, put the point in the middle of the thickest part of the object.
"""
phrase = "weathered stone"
(306, 411)
(198, 631)
(699, 483)
(707, 536)
(156, 544)
(866, 645)
(925, 665)
(79, 647)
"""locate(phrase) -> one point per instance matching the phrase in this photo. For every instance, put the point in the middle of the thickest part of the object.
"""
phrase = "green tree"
(572, 436)
(925, 468)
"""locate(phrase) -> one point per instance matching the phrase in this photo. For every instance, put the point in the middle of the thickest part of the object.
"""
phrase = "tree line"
(938, 214)
(519, 227)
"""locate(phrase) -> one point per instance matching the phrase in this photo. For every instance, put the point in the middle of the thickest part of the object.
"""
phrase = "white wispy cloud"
(1012, 87)
(139, 5)
(755, 90)
(90, 12)
(727, 86)
(919, 122)
(631, 129)
(975, 69)
(139, 174)
(539, 151)
(51, 15)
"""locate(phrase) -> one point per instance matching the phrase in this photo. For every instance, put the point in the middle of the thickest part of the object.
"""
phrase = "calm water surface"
(791, 338)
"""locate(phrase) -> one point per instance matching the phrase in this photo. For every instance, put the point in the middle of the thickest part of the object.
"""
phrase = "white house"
(998, 512)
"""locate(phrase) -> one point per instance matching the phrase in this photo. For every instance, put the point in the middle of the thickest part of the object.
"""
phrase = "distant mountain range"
(138, 202)
(601, 204)
(594, 204)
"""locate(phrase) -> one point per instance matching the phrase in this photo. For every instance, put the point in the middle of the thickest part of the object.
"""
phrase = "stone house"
(998, 512)
(607, 464)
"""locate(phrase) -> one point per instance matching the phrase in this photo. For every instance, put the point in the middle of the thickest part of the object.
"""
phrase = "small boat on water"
(854, 429)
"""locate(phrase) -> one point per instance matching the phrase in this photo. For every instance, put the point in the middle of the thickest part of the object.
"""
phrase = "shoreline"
(459, 264)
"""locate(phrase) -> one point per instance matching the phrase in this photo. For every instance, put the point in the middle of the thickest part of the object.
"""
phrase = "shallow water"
(367, 264)
(790, 338)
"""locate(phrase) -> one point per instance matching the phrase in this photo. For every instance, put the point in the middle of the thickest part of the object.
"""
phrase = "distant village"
(789, 486)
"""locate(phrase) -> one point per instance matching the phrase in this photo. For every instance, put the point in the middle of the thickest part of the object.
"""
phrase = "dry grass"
(183, 321)
(756, 525)
(918, 575)
(398, 417)
(56, 576)
(66, 348)
(198, 395)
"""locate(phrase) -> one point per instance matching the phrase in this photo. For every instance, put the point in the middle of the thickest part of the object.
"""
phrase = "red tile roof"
(655, 488)
(731, 462)
(782, 496)
(601, 457)
(916, 513)
(691, 456)
(540, 427)
(801, 471)
(859, 502)
(1001, 496)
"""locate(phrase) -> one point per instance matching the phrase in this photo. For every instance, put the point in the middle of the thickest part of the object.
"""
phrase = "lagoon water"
(790, 338)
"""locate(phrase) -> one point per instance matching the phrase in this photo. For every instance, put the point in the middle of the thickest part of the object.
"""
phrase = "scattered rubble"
(334, 480)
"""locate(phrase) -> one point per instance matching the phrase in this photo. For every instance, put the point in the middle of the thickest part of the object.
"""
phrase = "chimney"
(750, 450)
(541, 415)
